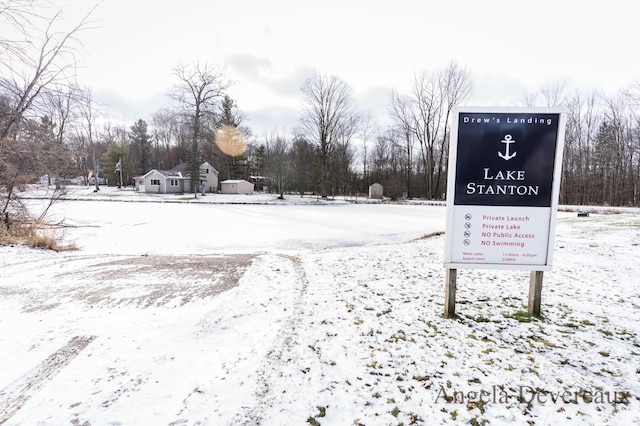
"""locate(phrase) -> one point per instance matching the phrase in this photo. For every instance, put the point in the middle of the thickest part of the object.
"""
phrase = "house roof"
(165, 173)
(179, 168)
(178, 172)
(235, 181)
(183, 168)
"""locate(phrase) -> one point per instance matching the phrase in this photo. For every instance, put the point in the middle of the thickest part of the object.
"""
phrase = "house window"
(173, 182)
(155, 182)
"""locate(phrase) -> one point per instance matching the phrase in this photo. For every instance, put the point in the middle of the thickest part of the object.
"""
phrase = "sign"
(503, 187)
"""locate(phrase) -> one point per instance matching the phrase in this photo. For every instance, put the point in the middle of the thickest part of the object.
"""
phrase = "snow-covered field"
(239, 311)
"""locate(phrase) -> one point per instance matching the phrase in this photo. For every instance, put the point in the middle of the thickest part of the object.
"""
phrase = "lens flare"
(231, 141)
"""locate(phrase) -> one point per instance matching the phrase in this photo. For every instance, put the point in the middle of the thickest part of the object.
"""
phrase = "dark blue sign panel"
(505, 159)
(503, 186)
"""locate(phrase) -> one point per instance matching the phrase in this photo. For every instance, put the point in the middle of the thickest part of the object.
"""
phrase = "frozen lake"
(192, 228)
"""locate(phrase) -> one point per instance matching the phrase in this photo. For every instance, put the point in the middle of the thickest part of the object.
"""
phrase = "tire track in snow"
(284, 342)
(14, 396)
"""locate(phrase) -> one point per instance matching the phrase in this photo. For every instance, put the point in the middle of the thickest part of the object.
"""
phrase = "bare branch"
(49, 63)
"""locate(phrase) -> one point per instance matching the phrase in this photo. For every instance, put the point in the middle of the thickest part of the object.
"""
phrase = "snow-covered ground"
(239, 311)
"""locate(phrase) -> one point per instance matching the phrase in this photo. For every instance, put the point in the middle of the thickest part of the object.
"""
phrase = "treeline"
(602, 149)
(409, 157)
(601, 161)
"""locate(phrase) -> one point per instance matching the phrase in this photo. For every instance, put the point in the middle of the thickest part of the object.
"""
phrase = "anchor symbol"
(508, 140)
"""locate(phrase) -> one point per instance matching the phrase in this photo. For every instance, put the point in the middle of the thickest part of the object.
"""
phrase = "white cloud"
(271, 47)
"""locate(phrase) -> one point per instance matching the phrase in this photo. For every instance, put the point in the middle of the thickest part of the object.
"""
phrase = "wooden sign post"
(450, 293)
(535, 293)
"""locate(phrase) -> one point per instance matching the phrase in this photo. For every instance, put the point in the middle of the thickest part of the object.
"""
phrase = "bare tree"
(41, 66)
(37, 57)
(328, 117)
(432, 99)
(388, 164)
(580, 136)
(633, 95)
(601, 150)
(367, 128)
(615, 151)
(455, 83)
(60, 105)
(343, 157)
(200, 88)
(554, 94)
(528, 98)
(402, 119)
(16, 17)
(277, 163)
(87, 132)
(18, 166)
(166, 132)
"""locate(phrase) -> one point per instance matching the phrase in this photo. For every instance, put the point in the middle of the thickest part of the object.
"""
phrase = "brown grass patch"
(36, 234)
(430, 235)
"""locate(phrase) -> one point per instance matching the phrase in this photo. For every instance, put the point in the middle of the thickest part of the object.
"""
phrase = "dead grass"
(427, 236)
(36, 234)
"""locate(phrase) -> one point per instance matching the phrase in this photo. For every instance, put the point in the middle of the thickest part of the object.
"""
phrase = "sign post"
(502, 194)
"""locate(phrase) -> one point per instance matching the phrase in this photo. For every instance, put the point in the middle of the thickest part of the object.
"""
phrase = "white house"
(177, 180)
(236, 187)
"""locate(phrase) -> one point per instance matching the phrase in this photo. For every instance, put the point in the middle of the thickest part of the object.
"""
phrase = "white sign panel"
(503, 186)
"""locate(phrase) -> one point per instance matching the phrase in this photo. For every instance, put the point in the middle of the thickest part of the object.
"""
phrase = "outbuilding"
(236, 187)
(376, 191)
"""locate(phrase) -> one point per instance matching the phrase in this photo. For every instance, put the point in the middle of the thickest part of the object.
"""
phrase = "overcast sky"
(271, 47)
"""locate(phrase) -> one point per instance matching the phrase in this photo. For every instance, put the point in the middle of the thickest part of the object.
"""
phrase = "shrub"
(36, 234)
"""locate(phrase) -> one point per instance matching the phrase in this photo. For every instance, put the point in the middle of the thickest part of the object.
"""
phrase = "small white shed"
(236, 187)
(376, 191)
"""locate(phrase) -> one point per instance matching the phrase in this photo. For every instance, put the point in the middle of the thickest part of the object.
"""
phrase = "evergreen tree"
(259, 161)
(117, 152)
(141, 141)
(229, 115)
(237, 161)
